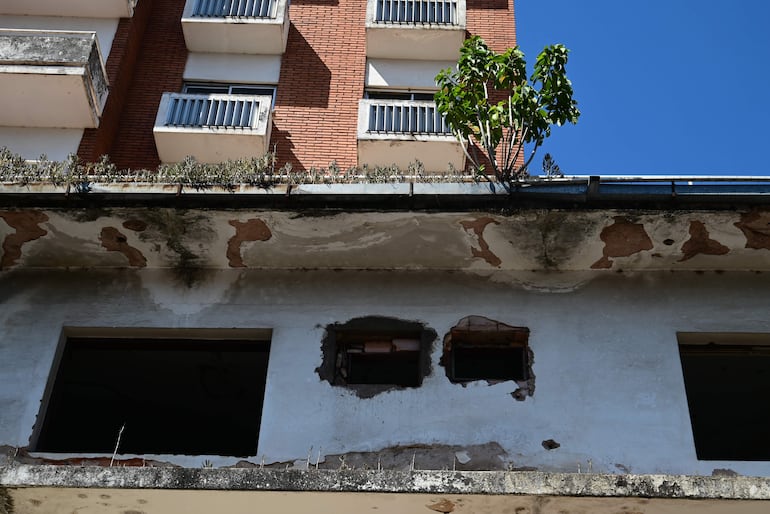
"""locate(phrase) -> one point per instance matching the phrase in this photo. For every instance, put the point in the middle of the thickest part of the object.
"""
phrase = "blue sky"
(674, 87)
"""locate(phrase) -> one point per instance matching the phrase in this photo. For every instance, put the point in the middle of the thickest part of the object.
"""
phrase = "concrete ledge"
(370, 481)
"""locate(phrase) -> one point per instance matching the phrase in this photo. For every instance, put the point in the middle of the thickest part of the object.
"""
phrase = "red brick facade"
(120, 66)
(321, 80)
(158, 70)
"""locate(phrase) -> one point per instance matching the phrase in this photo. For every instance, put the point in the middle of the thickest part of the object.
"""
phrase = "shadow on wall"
(305, 79)
(284, 149)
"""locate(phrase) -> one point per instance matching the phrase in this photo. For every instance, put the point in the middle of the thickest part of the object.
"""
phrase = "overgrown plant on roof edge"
(80, 176)
(467, 97)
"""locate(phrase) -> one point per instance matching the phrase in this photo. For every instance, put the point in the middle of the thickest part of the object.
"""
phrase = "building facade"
(577, 345)
(345, 81)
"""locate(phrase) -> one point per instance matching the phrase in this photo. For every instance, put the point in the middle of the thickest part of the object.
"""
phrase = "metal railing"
(406, 117)
(228, 111)
(235, 8)
(417, 11)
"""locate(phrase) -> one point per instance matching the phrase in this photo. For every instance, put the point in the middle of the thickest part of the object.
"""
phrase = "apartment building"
(316, 83)
(590, 344)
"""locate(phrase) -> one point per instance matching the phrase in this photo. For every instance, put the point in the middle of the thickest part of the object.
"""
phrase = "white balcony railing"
(417, 11)
(406, 117)
(235, 8)
(415, 29)
(226, 111)
(212, 128)
(236, 26)
(402, 131)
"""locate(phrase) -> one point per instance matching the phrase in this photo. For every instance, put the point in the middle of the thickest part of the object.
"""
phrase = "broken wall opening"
(149, 395)
(478, 348)
(374, 354)
(727, 382)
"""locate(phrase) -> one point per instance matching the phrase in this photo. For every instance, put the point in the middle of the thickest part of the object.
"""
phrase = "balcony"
(51, 79)
(212, 128)
(402, 131)
(74, 8)
(236, 26)
(415, 29)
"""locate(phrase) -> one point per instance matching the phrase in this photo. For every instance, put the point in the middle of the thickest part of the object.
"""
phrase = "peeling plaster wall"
(481, 242)
(609, 381)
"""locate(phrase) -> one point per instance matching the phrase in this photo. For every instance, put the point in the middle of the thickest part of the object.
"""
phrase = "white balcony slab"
(392, 32)
(52, 79)
(404, 74)
(208, 31)
(389, 142)
(84, 8)
(211, 139)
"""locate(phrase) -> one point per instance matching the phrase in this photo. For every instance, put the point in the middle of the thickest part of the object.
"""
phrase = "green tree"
(489, 100)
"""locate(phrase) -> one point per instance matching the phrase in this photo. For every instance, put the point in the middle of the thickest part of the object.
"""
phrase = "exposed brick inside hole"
(373, 343)
(479, 348)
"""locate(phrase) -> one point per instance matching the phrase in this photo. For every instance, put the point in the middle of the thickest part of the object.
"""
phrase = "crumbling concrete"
(371, 481)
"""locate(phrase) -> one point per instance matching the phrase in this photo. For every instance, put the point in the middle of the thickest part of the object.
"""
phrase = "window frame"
(229, 88)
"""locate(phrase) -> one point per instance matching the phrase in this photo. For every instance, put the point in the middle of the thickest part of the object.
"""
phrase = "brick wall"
(120, 67)
(321, 81)
(493, 20)
(159, 69)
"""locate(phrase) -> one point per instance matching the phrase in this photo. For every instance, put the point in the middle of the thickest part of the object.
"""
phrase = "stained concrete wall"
(609, 384)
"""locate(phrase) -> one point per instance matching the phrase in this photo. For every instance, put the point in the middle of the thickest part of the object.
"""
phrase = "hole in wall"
(374, 354)
(479, 348)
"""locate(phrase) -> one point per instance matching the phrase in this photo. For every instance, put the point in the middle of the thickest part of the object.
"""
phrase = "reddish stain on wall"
(250, 230)
(622, 239)
(26, 225)
(700, 242)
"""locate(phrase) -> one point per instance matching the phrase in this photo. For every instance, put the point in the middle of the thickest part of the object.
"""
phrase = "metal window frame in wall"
(398, 94)
(226, 88)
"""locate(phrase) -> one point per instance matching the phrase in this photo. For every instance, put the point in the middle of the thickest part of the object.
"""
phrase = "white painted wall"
(31, 142)
(233, 68)
(105, 28)
(404, 74)
(609, 384)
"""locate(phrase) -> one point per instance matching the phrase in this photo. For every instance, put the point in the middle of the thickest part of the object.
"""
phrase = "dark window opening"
(379, 94)
(169, 396)
(727, 382)
(478, 348)
(374, 354)
(376, 359)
